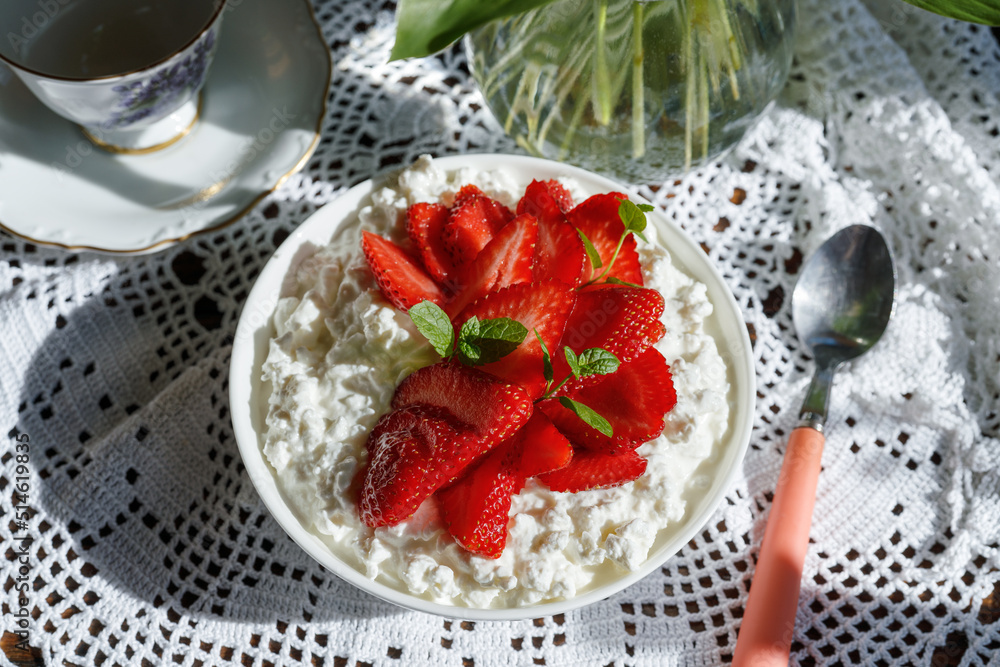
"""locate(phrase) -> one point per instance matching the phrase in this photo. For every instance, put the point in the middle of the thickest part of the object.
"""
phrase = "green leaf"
(470, 329)
(588, 415)
(597, 361)
(973, 11)
(634, 217)
(435, 326)
(618, 281)
(573, 361)
(499, 337)
(592, 254)
(485, 341)
(547, 370)
(468, 351)
(424, 27)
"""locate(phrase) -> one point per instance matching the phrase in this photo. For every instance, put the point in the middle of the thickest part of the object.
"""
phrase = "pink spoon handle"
(765, 636)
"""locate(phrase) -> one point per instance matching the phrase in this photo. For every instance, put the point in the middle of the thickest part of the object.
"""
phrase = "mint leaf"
(547, 370)
(485, 341)
(597, 361)
(634, 217)
(470, 329)
(592, 254)
(588, 415)
(573, 361)
(619, 281)
(499, 337)
(469, 352)
(435, 325)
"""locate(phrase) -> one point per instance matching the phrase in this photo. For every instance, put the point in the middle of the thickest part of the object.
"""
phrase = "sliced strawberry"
(494, 410)
(543, 307)
(472, 223)
(634, 399)
(623, 320)
(412, 452)
(598, 219)
(425, 226)
(400, 277)
(476, 508)
(542, 447)
(466, 192)
(596, 470)
(506, 260)
(560, 194)
(559, 253)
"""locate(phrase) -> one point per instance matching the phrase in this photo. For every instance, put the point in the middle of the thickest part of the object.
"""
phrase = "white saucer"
(261, 111)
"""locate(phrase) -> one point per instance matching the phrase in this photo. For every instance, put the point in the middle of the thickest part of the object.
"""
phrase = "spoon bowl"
(841, 305)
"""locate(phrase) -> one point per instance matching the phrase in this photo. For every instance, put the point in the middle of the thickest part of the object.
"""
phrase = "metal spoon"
(841, 304)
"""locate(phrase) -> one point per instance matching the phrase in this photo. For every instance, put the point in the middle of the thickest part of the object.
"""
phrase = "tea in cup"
(129, 72)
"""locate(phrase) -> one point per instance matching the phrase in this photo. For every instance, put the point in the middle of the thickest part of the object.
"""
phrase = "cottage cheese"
(338, 352)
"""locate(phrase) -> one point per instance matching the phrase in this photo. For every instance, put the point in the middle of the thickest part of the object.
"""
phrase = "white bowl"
(249, 394)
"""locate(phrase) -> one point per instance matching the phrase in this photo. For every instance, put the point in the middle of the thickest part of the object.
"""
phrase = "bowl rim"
(255, 325)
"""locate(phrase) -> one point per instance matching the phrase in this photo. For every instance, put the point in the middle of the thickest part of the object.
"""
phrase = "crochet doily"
(148, 544)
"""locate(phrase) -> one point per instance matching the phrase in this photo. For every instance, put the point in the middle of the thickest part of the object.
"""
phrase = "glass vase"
(639, 91)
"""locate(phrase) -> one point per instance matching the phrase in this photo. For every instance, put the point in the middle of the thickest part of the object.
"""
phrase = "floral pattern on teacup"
(164, 89)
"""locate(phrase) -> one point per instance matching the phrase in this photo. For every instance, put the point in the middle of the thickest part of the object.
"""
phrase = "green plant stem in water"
(602, 83)
(638, 95)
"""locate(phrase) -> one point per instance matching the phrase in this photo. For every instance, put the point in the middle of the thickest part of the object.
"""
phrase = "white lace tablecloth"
(149, 545)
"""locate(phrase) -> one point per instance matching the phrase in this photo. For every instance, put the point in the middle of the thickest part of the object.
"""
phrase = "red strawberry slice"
(472, 223)
(400, 277)
(560, 194)
(492, 409)
(542, 447)
(543, 307)
(596, 470)
(466, 192)
(506, 260)
(621, 319)
(560, 253)
(425, 224)
(634, 400)
(412, 452)
(476, 508)
(599, 221)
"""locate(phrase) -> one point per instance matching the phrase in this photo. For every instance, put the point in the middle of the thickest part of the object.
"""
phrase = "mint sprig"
(592, 361)
(478, 342)
(633, 217)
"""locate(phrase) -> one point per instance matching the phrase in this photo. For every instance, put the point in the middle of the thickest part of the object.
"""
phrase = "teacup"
(129, 72)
